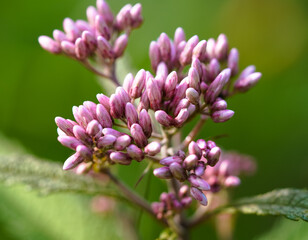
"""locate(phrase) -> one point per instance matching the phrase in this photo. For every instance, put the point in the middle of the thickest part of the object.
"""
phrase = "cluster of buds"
(96, 142)
(226, 173)
(97, 38)
(192, 167)
(170, 203)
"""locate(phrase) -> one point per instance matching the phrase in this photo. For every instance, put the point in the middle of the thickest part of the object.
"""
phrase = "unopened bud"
(49, 44)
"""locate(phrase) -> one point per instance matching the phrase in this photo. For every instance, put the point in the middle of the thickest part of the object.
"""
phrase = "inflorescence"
(141, 118)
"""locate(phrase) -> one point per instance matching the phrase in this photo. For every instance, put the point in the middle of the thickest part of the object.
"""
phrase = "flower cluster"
(171, 203)
(98, 38)
(190, 78)
(226, 173)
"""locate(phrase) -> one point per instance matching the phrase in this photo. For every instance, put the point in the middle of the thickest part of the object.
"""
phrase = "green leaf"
(291, 203)
(48, 177)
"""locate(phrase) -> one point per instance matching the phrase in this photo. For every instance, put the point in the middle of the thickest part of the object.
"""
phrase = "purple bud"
(199, 51)
(179, 36)
(138, 84)
(219, 104)
(211, 144)
(131, 114)
(199, 170)
(94, 129)
(181, 154)
(165, 47)
(68, 48)
(213, 156)
(72, 161)
(81, 49)
(154, 54)
(210, 48)
(65, 126)
(199, 183)
(104, 47)
(84, 151)
(104, 100)
(198, 195)
(193, 96)
(183, 191)
(101, 27)
(221, 47)
(214, 69)
(190, 162)
(91, 15)
(78, 118)
(184, 103)
(168, 160)
(123, 96)
(153, 148)
(49, 44)
(59, 36)
(121, 158)
(222, 115)
(178, 171)
(85, 115)
(128, 82)
(161, 74)
(136, 15)
(83, 26)
(163, 118)
(70, 142)
(144, 102)
(106, 141)
(233, 59)
(154, 93)
(123, 19)
(170, 84)
(71, 30)
(89, 39)
(135, 153)
(81, 134)
(122, 142)
(201, 144)
(91, 107)
(186, 201)
(244, 84)
(163, 173)
(198, 66)
(217, 85)
(232, 181)
(193, 148)
(186, 55)
(194, 79)
(116, 108)
(247, 71)
(181, 117)
(110, 131)
(104, 10)
(138, 135)
(203, 87)
(145, 122)
(120, 45)
(191, 109)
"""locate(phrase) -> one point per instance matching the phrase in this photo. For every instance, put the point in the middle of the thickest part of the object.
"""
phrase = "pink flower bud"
(219, 104)
(135, 153)
(163, 118)
(221, 47)
(94, 129)
(68, 48)
(122, 142)
(210, 48)
(170, 85)
(65, 126)
(198, 195)
(153, 148)
(145, 122)
(199, 182)
(184, 103)
(154, 94)
(103, 116)
(104, 10)
(49, 44)
(91, 15)
(91, 107)
(222, 115)
(168, 160)
(138, 84)
(128, 82)
(154, 54)
(190, 162)
(199, 51)
(120, 45)
(186, 55)
(81, 134)
(194, 79)
(90, 40)
(116, 107)
(131, 114)
(244, 84)
(164, 47)
(110, 131)
(84, 151)
(71, 30)
(161, 74)
(178, 171)
(104, 47)
(101, 27)
(70, 142)
(72, 161)
(179, 36)
(193, 96)
(199, 170)
(136, 15)
(193, 148)
(163, 173)
(138, 135)
(233, 59)
(121, 158)
(83, 26)
(213, 156)
(181, 118)
(106, 141)
(123, 18)
(81, 50)
(104, 100)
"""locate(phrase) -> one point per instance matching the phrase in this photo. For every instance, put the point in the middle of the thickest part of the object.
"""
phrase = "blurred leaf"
(167, 234)
(291, 203)
(48, 177)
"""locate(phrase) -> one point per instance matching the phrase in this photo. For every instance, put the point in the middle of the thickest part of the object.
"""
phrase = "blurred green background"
(270, 121)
